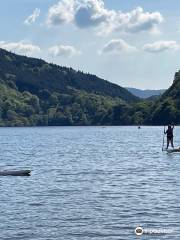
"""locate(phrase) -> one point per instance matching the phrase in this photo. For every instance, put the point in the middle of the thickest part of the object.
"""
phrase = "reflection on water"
(88, 183)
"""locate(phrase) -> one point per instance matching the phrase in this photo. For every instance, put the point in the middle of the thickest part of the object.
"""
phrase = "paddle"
(163, 139)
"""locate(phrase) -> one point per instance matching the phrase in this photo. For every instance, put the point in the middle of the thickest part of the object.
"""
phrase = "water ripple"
(88, 183)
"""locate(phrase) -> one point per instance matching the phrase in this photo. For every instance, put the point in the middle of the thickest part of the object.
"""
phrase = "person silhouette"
(170, 136)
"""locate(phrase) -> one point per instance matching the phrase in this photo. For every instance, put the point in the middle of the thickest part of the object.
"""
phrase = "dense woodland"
(35, 93)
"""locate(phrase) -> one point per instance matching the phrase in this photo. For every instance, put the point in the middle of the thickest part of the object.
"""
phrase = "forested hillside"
(33, 92)
(36, 93)
(34, 75)
(167, 108)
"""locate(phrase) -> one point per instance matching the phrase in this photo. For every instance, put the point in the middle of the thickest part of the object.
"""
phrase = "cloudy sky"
(132, 43)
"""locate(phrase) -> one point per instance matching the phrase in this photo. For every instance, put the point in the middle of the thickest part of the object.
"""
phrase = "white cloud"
(161, 46)
(92, 13)
(32, 18)
(63, 50)
(24, 48)
(138, 20)
(117, 46)
(62, 12)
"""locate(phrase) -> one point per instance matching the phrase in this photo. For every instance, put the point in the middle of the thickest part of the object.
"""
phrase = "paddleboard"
(15, 173)
(175, 150)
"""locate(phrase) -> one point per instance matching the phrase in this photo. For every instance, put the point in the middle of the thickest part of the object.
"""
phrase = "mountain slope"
(26, 109)
(34, 75)
(145, 93)
(35, 93)
(167, 109)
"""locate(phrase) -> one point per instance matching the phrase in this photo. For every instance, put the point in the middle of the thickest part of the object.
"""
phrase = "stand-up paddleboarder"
(169, 133)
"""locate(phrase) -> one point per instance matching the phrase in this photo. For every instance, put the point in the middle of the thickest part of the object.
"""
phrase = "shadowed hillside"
(36, 93)
(34, 75)
(167, 108)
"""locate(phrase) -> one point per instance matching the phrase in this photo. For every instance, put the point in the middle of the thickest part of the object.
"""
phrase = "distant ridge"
(145, 93)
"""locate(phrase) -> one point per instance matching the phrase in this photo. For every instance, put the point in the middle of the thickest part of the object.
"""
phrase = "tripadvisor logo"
(139, 231)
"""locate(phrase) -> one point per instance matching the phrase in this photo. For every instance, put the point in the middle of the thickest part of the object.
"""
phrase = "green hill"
(167, 108)
(36, 93)
(34, 75)
(33, 92)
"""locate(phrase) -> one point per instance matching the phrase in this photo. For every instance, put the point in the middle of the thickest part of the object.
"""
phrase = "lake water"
(88, 183)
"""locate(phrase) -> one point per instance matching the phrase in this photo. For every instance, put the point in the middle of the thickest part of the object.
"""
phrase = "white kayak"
(15, 173)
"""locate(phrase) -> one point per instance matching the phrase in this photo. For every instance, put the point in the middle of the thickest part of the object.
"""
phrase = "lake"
(89, 183)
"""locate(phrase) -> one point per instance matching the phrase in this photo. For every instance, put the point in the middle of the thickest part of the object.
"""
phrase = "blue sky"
(132, 43)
